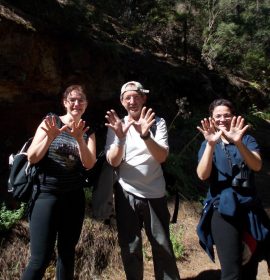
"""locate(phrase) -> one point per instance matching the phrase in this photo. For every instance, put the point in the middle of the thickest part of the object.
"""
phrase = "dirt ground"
(197, 265)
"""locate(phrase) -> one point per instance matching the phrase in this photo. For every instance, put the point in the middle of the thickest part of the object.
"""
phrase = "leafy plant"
(9, 217)
(177, 242)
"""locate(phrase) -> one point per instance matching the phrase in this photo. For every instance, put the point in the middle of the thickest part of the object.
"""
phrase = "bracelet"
(145, 137)
(119, 141)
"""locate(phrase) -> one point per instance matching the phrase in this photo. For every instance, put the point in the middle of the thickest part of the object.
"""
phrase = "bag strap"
(228, 156)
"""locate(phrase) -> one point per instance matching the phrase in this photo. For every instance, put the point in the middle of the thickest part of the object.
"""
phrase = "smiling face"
(75, 102)
(222, 116)
(133, 102)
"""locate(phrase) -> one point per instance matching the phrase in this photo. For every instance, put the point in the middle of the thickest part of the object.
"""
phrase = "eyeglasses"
(79, 100)
(135, 97)
(225, 116)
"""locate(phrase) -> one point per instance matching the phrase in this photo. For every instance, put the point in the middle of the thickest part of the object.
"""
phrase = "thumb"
(127, 126)
(64, 128)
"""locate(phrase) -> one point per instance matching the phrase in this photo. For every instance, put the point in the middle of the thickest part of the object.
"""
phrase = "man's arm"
(116, 138)
(159, 152)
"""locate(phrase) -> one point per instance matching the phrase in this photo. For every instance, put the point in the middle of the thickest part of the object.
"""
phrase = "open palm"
(237, 129)
(209, 131)
(146, 120)
(116, 124)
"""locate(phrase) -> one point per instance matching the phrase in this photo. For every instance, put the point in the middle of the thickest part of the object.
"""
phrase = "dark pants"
(132, 213)
(227, 235)
(55, 218)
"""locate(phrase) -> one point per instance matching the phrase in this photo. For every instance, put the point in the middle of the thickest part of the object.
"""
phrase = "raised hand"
(50, 127)
(116, 124)
(209, 131)
(237, 129)
(77, 129)
(146, 120)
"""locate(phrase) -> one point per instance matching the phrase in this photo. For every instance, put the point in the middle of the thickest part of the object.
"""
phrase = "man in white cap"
(140, 199)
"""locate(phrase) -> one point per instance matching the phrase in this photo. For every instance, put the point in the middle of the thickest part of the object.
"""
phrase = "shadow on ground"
(206, 275)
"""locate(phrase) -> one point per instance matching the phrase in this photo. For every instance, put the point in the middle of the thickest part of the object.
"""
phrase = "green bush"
(9, 217)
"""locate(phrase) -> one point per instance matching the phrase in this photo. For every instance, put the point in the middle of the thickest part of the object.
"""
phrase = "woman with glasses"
(63, 147)
(233, 218)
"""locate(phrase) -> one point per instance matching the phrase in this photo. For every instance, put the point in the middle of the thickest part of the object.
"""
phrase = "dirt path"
(197, 265)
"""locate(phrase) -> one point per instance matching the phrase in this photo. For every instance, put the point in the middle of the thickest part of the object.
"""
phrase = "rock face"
(41, 56)
(36, 66)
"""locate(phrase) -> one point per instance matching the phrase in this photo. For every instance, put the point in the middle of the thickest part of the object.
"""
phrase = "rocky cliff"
(45, 48)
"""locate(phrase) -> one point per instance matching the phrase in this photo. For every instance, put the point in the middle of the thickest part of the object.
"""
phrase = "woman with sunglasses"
(233, 218)
(63, 146)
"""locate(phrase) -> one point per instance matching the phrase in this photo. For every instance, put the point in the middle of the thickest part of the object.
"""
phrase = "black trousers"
(227, 235)
(134, 213)
(55, 219)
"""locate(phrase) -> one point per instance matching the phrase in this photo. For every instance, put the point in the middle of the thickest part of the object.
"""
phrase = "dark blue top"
(226, 158)
(230, 200)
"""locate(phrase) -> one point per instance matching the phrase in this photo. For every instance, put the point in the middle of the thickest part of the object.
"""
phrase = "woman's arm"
(46, 132)
(251, 158)
(87, 151)
(212, 136)
(204, 167)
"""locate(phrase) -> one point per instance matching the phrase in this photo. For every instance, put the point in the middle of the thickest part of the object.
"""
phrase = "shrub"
(9, 217)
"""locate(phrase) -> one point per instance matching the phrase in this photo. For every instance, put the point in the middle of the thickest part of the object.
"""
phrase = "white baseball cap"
(136, 86)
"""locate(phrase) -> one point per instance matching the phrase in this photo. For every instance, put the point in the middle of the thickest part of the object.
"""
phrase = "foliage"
(176, 237)
(238, 36)
(257, 118)
(225, 35)
(9, 217)
(88, 195)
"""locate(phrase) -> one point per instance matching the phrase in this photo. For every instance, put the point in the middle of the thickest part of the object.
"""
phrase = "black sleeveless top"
(61, 169)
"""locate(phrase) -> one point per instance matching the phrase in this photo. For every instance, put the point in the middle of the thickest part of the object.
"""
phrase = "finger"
(53, 120)
(219, 133)
(81, 124)
(114, 114)
(108, 125)
(45, 129)
(212, 122)
(64, 128)
(152, 117)
(149, 112)
(86, 129)
(143, 112)
(205, 124)
(244, 129)
(151, 123)
(200, 129)
(240, 122)
(111, 116)
(110, 120)
(233, 122)
(47, 124)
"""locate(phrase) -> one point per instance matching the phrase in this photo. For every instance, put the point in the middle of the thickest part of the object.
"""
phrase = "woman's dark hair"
(221, 102)
(79, 88)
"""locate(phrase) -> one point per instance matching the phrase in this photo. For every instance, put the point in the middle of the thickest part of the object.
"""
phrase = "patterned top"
(61, 166)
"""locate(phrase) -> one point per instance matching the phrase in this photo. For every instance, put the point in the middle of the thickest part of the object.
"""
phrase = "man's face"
(133, 102)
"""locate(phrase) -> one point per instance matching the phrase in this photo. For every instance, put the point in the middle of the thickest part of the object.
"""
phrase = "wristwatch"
(145, 137)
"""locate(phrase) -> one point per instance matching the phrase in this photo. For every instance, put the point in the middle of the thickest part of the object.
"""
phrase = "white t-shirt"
(139, 173)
